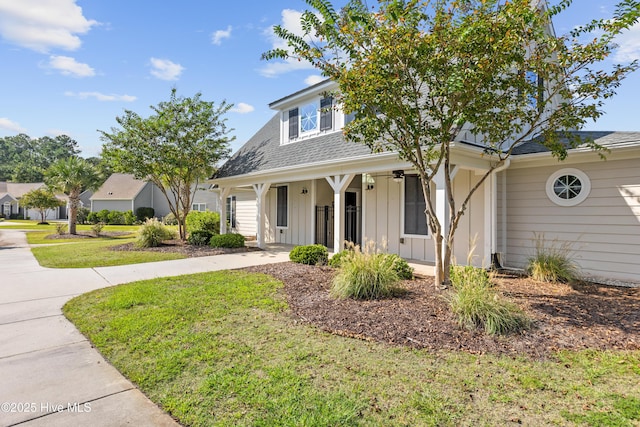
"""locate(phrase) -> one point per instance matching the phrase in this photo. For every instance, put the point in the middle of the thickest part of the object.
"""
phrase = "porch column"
(261, 193)
(312, 218)
(222, 208)
(442, 203)
(490, 219)
(339, 184)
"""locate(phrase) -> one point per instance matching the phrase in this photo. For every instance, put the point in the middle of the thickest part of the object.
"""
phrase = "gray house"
(12, 192)
(123, 192)
(312, 186)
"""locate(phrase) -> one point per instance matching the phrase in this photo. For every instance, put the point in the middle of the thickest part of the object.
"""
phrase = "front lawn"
(223, 349)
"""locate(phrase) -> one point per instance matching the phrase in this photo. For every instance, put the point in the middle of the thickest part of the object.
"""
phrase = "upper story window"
(310, 118)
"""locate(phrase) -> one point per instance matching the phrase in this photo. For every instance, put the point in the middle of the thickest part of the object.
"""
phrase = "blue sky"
(73, 66)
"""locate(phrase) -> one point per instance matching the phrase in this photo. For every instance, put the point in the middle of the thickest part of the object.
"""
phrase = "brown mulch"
(85, 235)
(178, 246)
(582, 316)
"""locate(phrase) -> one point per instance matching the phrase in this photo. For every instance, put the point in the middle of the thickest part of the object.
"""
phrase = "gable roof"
(263, 151)
(19, 189)
(119, 186)
(609, 140)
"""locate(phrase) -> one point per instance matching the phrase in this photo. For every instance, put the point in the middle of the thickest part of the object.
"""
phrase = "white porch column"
(339, 184)
(442, 203)
(261, 193)
(222, 207)
(312, 218)
(490, 219)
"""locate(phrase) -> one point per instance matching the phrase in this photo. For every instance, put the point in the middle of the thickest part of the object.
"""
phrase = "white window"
(310, 118)
(568, 187)
(199, 207)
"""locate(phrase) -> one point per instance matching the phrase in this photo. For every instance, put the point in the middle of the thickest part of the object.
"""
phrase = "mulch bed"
(583, 316)
(181, 247)
(86, 235)
(577, 317)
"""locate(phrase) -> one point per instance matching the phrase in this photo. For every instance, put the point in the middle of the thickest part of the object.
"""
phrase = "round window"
(568, 187)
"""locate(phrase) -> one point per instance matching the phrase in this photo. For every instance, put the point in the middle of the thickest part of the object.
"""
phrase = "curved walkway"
(51, 376)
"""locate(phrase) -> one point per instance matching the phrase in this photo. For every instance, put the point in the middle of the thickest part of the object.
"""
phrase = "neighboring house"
(311, 186)
(123, 192)
(12, 192)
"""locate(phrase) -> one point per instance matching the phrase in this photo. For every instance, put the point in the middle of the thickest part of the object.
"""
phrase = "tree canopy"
(41, 199)
(181, 143)
(417, 73)
(25, 159)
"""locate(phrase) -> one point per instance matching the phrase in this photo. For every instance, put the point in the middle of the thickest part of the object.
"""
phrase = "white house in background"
(123, 192)
(311, 186)
(12, 192)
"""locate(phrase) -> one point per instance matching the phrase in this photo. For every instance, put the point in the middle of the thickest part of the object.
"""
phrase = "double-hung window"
(415, 222)
(282, 207)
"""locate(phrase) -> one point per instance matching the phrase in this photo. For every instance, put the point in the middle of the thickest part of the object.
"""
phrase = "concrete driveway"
(51, 376)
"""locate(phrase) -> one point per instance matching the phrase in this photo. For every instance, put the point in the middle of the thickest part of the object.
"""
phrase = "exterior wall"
(470, 239)
(299, 228)
(112, 205)
(246, 213)
(157, 201)
(145, 199)
(603, 231)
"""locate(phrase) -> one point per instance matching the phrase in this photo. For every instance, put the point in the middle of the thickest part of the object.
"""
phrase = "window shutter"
(293, 123)
(326, 113)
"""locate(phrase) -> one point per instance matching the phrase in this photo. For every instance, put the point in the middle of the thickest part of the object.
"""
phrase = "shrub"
(476, 304)
(143, 213)
(199, 237)
(207, 221)
(336, 260)
(92, 218)
(552, 262)
(400, 265)
(365, 275)
(309, 254)
(61, 228)
(115, 218)
(129, 217)
(83, 214)
(152, 233)
(229, 240)
(170, 219)
(97, 228)
(103, 216)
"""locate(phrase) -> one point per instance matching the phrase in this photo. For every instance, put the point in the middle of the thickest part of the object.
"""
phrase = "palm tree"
(72, 176)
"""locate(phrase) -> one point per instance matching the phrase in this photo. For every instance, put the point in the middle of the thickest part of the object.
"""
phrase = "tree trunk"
(73, 213)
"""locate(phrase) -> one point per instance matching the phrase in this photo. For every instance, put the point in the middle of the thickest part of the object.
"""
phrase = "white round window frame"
(584, 192)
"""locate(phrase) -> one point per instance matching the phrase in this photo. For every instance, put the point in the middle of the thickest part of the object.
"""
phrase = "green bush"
(103, 216)
(92, 218)
(399, 264)
(199, 237)
(82, 215)
(476, 304)
(170, 219)
(115, 218)
(365, 275)
(129, 217)
(309, 254)
(207, 221)
(152, 233)
(143, 213)
(552, 262)
(229, 240)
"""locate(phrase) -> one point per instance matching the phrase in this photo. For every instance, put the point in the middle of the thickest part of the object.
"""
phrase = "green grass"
(95, 253)
(221, 349)
(40, 237)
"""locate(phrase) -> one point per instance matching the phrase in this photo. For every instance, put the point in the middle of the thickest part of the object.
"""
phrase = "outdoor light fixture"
(368, 181)
(398, 175)
(304, 190)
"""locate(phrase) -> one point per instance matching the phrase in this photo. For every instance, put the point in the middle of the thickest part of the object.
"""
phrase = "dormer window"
(310, 118)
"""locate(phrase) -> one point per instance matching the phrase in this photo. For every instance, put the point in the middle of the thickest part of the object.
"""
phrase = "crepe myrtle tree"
(175, 147)
(416, 72)
(42, 200)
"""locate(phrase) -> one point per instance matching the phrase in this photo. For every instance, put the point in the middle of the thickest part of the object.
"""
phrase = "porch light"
(368, 182)
(398, 175)
(304, 190)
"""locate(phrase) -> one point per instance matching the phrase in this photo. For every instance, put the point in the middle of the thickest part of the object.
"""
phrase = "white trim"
(584, 191)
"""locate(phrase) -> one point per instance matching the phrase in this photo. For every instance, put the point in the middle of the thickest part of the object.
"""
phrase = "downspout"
(495, 259)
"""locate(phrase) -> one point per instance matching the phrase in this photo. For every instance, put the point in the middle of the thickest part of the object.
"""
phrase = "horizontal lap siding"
(603, 231)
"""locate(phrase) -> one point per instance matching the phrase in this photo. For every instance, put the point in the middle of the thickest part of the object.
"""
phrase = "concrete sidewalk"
(51, 376)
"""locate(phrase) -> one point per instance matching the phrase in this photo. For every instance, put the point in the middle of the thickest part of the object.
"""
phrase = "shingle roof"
(119, 186)
(610, 140)
(263, 151)
(18, 189)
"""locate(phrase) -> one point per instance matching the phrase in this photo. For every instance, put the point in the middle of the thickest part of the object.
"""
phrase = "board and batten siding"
(603, 231)
(246, 213)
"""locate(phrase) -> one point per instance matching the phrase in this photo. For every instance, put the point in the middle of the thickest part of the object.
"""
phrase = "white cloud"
(165, 69)
(57, 132)
(101, 96)
(42, 25)
(70, 67)
(218, 36)
(291, 22)
(9, 125)
(313, 79)
(628, 45)
(242, 108)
